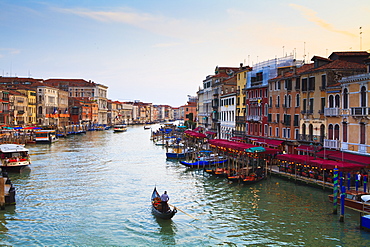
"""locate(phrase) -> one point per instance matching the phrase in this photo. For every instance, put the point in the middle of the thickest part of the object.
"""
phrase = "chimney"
(241, 65)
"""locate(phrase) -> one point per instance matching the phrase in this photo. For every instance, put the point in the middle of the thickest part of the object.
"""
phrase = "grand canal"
(94, 190)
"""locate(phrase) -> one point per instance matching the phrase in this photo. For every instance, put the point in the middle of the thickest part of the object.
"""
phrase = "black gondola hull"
(163, 215)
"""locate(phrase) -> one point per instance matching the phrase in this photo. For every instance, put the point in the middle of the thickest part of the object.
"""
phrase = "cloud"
(311, 15)
(166, 44)
(184, 31)
(10, 50)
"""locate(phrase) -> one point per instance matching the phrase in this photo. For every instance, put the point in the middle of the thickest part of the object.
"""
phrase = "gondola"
(252, 179)
(156, 207)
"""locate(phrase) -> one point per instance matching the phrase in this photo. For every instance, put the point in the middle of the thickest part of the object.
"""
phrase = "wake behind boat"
(157, 207)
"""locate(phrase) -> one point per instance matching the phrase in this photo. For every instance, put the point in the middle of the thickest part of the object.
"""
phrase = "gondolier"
(164, 200)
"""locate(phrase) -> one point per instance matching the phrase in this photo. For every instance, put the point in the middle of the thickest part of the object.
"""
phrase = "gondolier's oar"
(183, 211)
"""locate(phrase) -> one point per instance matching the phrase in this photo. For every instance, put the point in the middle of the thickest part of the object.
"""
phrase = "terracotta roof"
(350, 53)
(299, 70)
(339, 64)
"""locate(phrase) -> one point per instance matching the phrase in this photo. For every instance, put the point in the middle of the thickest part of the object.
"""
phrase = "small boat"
(179, 153)
(46, 136)
(13, 157)
(252, 179)
(356, 200)
(203, 163)
(119, 128)
(146, 128)
(157, 207)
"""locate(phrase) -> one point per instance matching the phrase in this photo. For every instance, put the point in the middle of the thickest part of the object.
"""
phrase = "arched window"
(331, 101)
(310, 129)
(336, 132)
(330, 132)
(322, 132)
(278, 101)
(345, 98)
(337, 103)
(40, 110)
(270, 102)
(303, 130)
(363, 96)
(266, 110)
(285, 101)
(289, 100)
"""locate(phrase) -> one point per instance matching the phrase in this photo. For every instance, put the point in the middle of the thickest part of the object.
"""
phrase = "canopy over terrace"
(318, 162)
(195, 134)
(331, 164)
(233, 146)
(343, 156)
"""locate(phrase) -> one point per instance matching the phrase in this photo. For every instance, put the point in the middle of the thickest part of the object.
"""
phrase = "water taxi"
(13, 157)
(46, 136)
(119, 128)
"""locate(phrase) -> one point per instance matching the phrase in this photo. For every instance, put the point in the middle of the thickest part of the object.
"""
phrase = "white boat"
(45, 136)
(120, 128)
(14, 157)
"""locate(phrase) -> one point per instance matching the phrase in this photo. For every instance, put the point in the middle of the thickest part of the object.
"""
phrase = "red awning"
(211, 133)
(237, 138)
(343, 156)
(331, 164)
(303, 159)
(273, 143)
(195, 134)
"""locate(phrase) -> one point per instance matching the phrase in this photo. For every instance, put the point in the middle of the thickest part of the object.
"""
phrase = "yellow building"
(241, 80)
(31, 107)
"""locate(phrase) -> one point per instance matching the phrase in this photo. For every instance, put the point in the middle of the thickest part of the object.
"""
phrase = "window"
(296, 120)
(337, 103)
(298, 100)
(297, 84)
(311, 84)
(362, 133)
(304, 84)
(330, 132)
(278, 101)
(345, 98)
(323, 82)
(363, 96)
(344, 127)
(277, 132)
(336, 132)
(322, 105)
(331, 101)
(296, 133)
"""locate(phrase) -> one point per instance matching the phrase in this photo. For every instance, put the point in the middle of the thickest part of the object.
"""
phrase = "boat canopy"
(10, 148)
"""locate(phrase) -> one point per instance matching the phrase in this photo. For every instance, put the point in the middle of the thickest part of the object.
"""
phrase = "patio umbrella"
(255, 150)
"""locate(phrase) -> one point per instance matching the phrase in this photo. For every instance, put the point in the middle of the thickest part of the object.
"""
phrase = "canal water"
(94, 190)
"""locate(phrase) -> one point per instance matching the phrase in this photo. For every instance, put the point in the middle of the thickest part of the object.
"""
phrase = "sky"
(161, 51)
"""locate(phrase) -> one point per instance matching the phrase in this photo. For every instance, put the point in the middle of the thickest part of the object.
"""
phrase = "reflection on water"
(94, 190)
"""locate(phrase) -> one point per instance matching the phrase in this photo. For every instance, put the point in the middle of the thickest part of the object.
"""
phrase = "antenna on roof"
(360, 38)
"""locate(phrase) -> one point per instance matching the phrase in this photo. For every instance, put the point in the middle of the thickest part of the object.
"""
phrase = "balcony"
(240, 120)
(253, 118)
(332, 112)
(310, 138)
(334, 144)
(360, 111)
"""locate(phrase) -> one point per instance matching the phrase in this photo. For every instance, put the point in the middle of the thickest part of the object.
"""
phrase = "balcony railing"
(253, 118)
(310, 138)
(360, 111)
(332, 112)
(334, 144)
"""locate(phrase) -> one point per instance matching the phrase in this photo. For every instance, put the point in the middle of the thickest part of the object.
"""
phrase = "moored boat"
(13, 157)
(354, 201)
(45, 136)
(252, 179)
(203, 163)
(157, 207)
